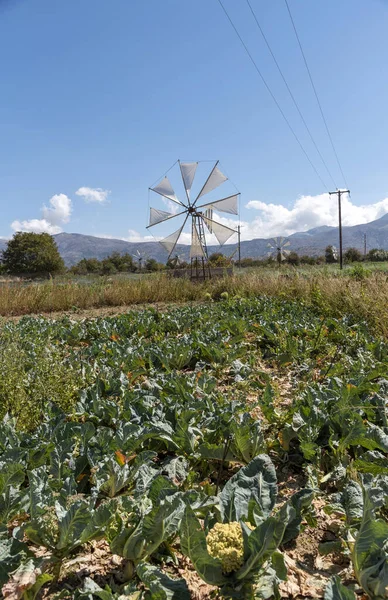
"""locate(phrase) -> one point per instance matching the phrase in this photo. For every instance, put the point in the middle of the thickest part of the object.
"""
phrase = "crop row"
(164, 435)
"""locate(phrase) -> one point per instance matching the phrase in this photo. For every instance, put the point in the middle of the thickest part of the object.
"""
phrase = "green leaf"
(162, 523)
(267, 585)
(372, 462)
(309, 449)
(336, 591)
(299, 501)
(370, 558)
(72, 525)
(90, 588)
(41, 580)
(12, 502)
(193, 545)
(252, 486)
(160, 585)
(264, 541)
(176, 468)
(12, 553)
(215, 452)
(11, 474)
(267, 405)
(98, 521)
(326, 548)
(279, 565)
(248, 440)
(352, 500)
(373, 438)
(111, 477)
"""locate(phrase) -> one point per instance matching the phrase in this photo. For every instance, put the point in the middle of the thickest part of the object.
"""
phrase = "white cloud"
(93, 194)
(36, 226)
(306, 213)
(58, 212)
(136, 237)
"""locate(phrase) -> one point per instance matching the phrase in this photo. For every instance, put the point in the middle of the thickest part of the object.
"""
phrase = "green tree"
(108, 267)
(32, 253)
(377, 255)
(330, 254)
(353, 255)
(153, 265)
(293, 259)
(218, 259)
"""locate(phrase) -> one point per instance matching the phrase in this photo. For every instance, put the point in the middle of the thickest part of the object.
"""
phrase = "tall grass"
(365, 298)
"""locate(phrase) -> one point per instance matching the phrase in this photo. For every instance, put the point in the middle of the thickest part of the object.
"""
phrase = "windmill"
(278, 248)
(140, 257)
(193, 212)
(178, 259)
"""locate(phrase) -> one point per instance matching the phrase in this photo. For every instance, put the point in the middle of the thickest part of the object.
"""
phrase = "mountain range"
(75, 246)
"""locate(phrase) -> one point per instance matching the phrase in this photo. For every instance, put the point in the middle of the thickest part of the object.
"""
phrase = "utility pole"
(364, 245)
(239, 246)
(339, 194)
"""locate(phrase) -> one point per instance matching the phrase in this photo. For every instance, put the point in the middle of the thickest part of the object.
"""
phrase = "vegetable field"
(233, 449)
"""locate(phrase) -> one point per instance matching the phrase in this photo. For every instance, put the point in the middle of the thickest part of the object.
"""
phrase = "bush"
(217, 259)
(34, 370)
(377, 255)
(293, 259)
(359, 272)
(353, 255)
(153, 266)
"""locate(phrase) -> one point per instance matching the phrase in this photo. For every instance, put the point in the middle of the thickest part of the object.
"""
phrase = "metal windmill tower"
(198, 215)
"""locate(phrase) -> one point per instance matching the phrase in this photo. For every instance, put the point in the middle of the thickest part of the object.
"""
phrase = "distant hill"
(75, 246)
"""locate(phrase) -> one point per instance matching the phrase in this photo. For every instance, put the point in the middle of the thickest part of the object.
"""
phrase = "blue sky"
(107, 95)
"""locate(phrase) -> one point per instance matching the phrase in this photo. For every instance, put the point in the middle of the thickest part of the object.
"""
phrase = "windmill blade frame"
(229, 204)
(188, 171)
(170, 216)
(165, 189)
(174, 242)
(217, 229)
(209, 186)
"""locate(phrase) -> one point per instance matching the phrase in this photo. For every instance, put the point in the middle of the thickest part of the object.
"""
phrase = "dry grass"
(366, 299)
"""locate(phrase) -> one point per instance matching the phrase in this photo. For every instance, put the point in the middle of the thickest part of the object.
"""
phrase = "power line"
(271, 94)
(315, 92)
(289, 91)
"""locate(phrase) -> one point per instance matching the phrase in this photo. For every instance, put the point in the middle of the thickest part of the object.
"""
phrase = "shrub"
(353, 255)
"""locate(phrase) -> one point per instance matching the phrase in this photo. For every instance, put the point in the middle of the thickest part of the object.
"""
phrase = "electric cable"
(315, 92)
(290, 92)
(272, 94)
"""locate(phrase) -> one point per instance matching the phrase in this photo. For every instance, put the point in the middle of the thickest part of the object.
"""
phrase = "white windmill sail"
(158, 216)
(214, 180)
(188, 173)
(208, 214)
(171, 240)
(164, 188)
(221, 232)
(226, 205)
(196, 250)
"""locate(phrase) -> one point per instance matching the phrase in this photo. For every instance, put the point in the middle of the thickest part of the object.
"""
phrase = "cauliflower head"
(225, 541)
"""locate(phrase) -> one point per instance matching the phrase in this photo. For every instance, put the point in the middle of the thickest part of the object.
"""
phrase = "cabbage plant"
(239, 550)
